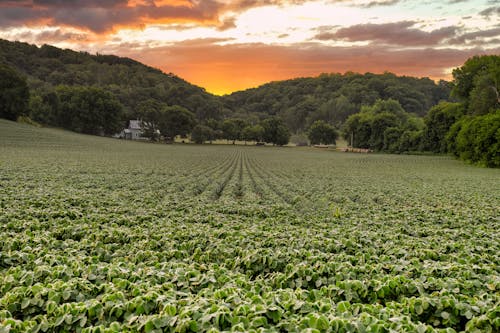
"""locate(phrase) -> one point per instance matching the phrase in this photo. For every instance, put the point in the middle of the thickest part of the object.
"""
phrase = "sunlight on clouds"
(226, 45)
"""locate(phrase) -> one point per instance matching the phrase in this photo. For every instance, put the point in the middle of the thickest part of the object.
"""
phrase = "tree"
(89, 110)
(14, 94)
(477, 84)
(253, 133)
(175, 120)
(202, 133)
(381, 127)
(477, 139)
(322, 133)
(150, 112)
(438, 122)
(232, 129)
(275, 131)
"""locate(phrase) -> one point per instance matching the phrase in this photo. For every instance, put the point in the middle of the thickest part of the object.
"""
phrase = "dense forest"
(334, 97)
(97, 94)
(48, 67)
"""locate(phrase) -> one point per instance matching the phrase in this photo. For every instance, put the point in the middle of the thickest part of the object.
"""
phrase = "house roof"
(135, 124)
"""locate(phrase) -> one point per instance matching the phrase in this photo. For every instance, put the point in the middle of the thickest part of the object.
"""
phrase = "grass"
(110, 235)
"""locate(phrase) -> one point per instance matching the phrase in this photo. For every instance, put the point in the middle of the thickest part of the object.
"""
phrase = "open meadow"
(104, 235)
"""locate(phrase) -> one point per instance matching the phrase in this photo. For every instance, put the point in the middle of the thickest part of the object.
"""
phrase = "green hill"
(334, 97)
(130, 81)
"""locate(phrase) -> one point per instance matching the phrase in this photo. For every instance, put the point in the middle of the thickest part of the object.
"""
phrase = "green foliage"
(130, 81)
(150, 113)
(14, 94)
(253, 133)
(438, 122)
(322, 133)
(101, 235)
(384, 126)
(232, 129)
(477, 139)
(275, 131)
(202, 133)
(334, 97)
(175, 120)
(89, 110)
(475, 72)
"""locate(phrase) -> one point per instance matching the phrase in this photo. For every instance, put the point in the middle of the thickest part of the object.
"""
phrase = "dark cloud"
(398, 33)
(102, 16)
(50, 36)
(380, 3)
(80, 4)
(491, 11)
(477, 36)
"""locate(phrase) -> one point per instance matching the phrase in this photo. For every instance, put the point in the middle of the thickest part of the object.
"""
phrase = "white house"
(133, 131)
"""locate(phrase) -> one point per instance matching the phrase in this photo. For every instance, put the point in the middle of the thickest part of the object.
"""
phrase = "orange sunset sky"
(229, 45)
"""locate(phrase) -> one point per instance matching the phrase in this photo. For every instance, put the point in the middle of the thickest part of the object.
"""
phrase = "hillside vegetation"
(131, 82)
(97, 94)
(334, 97)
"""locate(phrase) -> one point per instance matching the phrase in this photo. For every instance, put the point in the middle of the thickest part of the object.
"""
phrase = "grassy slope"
(282, 234)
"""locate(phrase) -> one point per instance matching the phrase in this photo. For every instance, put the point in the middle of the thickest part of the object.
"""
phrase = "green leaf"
(25, 303)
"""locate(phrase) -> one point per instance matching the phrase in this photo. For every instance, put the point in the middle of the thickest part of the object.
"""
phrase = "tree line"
(98, 94)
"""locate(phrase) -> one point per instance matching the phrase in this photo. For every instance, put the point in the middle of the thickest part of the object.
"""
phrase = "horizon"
(231, 45)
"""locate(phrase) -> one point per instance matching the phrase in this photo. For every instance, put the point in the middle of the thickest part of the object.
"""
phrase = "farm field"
(103, 235)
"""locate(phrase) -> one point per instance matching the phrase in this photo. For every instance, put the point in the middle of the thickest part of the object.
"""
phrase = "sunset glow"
(229, 45)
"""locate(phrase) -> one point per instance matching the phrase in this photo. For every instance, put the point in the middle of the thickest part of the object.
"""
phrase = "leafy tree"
(464, 76)
(89, 110)
(232, 129)
(40, 111)
(478, 139)
(438, 122)
(202, 133)
(275, 131)
(14, 94)
(322, 133)
(475, 137)
(485, 97)
(150, 112)
(381, 127)
(253, 133)
(175, 120)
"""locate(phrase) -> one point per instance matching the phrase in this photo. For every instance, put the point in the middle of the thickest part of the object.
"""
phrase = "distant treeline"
(98, 94)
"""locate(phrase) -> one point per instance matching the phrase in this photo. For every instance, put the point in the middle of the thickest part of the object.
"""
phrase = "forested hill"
(333, 97)
(130, 81)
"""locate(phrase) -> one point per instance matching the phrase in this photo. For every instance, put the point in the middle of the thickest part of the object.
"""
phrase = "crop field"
(102, 235)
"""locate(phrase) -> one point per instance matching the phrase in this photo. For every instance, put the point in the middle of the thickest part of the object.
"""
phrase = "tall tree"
(150, 113)
(232, 129)
(175, 120)
(275, 131)
(477, 84)
(89, 110)
(438, 122)
(14, 94)
(382, 125)
(322, 133)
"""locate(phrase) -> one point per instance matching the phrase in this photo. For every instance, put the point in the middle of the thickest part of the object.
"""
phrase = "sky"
(229, 45)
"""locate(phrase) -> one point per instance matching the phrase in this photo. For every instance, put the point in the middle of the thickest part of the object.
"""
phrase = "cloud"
(491, 11)
(398, 33)
(475, 36)
(104, 16)
(380, 3)
(215, 66)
